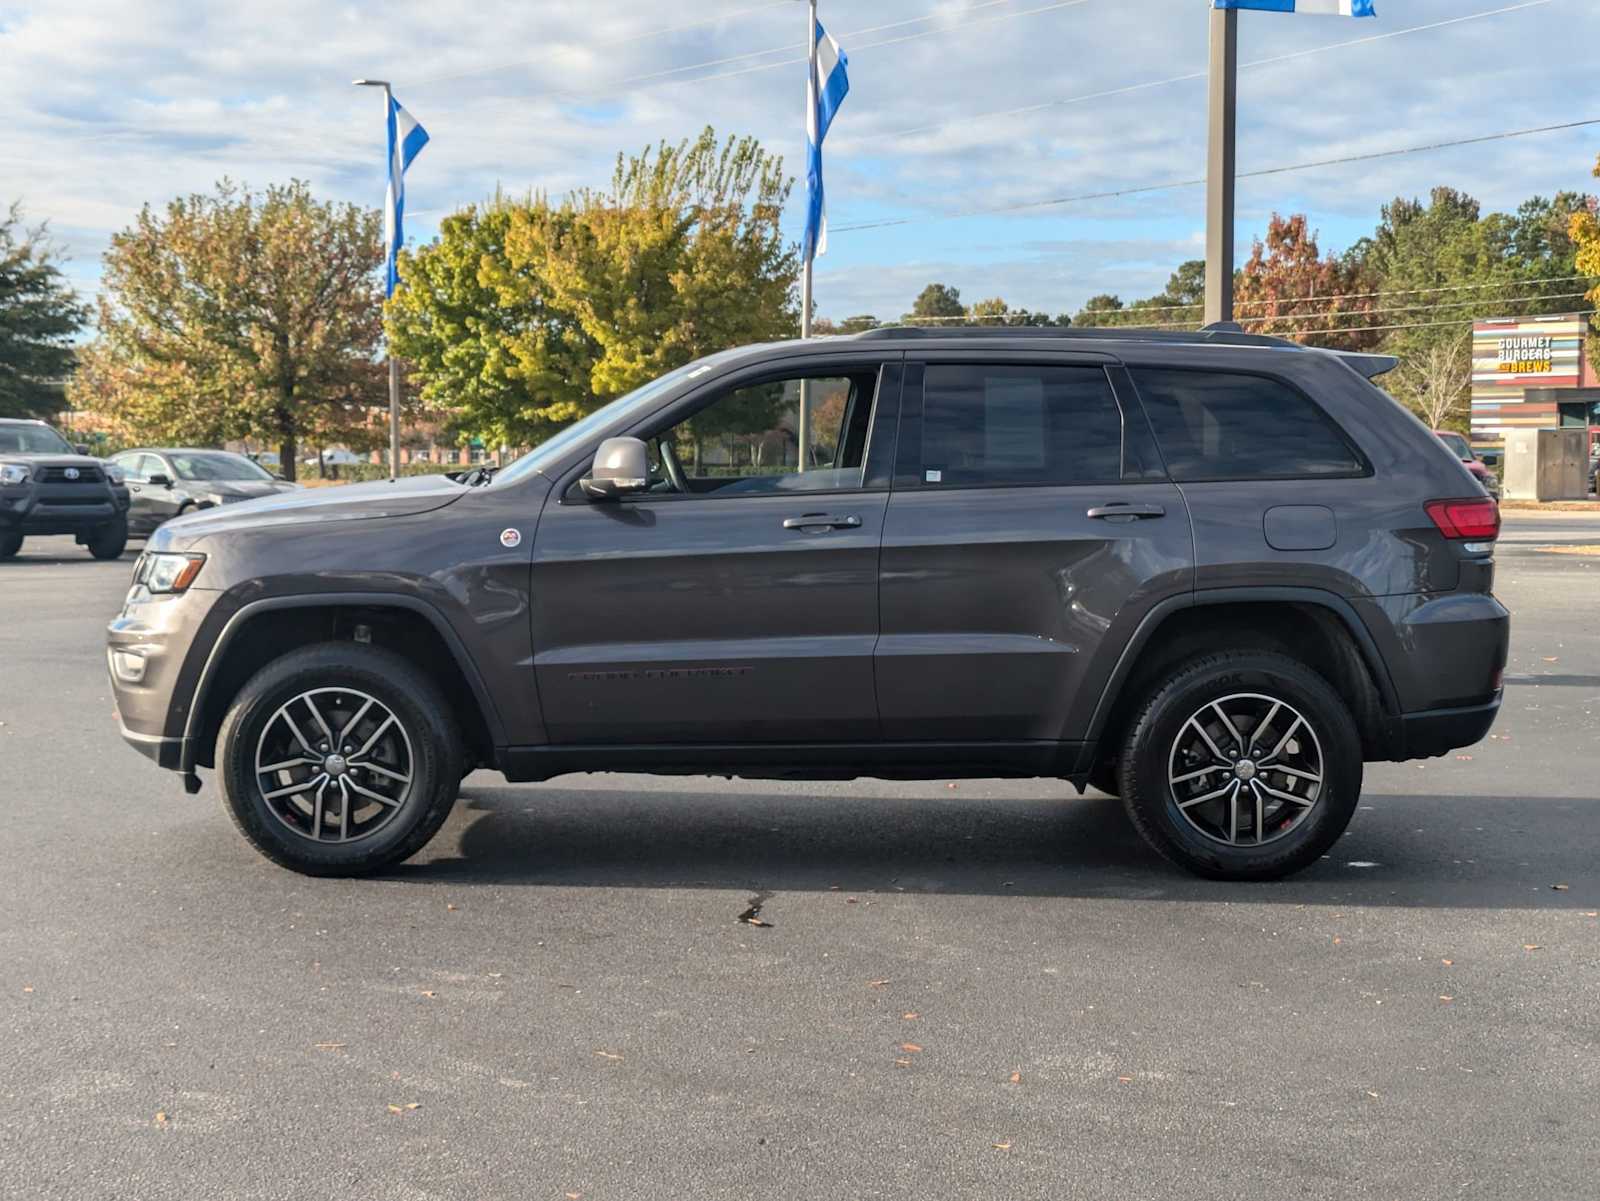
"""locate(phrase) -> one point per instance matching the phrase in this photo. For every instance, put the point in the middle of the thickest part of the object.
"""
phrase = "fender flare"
(370, 600)
(1331, 601)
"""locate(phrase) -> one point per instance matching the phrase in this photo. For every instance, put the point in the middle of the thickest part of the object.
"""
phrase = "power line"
(1187, 183)
(1192, 75)
(647, 35)
(1333, 297)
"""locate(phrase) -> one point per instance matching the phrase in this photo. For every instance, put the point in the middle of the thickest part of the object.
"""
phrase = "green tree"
(860, 323)
(39, 315)
(680, 257)
(1180, 303)
(938, 302)
(242, 314)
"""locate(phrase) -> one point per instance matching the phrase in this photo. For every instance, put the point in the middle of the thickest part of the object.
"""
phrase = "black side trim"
(1331, 601)
(164, 752)
(370, 600)
(801, 761)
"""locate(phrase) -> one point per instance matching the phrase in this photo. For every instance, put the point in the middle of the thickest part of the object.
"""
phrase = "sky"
(112, 104)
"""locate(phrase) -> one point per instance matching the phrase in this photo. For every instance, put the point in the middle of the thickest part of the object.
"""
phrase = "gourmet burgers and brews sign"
(1510, 356)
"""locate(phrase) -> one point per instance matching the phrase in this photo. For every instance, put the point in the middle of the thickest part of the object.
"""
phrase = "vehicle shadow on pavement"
(1402, 850)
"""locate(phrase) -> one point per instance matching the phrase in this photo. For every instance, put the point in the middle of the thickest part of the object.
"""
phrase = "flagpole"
(394, 365)
(803, 440)
(1220, 163)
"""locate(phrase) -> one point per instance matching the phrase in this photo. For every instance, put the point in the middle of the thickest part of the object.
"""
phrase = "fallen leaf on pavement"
(608, 1055)
(910, 1048)
(756, 921)
(1559, 887)
(330, 1046)
(1591, 913)
(1532, 946)
(1445, 999)
(426, 993)
(27, 988)
(161, 1117)
(1552, 658)
(1371, 1094)
(450, 908)
(1124, 1079)
(1016, 1077)
(1464, 758)
(395, 1109)
(910, 1017)
(902, 1063)
(1006, 1146)
(1337, 940)
(877, 983)
(573, 1196)
(1448, 962)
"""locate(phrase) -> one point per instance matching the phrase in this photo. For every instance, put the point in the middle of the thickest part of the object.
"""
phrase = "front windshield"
(217, 465)
(33, 440)
(1458, 446)
(552, 448)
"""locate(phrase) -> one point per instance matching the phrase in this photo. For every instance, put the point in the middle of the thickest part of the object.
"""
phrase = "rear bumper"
(1435, 732)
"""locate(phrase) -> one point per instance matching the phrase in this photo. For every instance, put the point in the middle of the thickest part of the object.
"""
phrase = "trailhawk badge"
(510, 538)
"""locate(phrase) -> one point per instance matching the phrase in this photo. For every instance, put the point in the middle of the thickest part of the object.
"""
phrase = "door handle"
(822, 521)
(1123, 509)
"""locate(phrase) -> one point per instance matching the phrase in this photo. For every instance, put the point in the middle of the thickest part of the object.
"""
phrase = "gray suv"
(1210, 573)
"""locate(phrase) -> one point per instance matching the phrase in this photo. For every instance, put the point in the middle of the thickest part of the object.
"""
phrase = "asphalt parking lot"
(985, 990)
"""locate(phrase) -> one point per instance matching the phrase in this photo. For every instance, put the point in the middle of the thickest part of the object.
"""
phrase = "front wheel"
(1244, 765)
(339, 759)
(108, 541)
(10, 544)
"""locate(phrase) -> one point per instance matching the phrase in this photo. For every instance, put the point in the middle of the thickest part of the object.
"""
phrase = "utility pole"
(1220, 163)
(803, 434)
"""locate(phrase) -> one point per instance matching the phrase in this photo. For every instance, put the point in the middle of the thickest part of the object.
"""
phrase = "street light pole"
(394, 365)
(1220, 164)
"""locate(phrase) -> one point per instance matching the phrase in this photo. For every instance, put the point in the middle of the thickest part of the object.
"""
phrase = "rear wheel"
(1244, 765)
(108, 541)
(10, 544)
(339, 759)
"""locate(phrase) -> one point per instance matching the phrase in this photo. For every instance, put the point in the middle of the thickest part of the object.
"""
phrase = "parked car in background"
(168, 482)
(1462, 449)
(337, 457)
(49, 486)
(1212, 573)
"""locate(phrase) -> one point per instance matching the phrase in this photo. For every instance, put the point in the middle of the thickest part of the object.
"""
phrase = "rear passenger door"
(1029, 529)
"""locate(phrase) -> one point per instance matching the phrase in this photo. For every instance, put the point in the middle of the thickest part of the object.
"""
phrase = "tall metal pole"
(394, 367)
(1220, 164)
(803, 440)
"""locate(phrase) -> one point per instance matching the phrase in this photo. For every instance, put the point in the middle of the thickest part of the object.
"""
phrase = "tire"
(109, 540)
(1166, 767)
(423, 742)
(10, 544)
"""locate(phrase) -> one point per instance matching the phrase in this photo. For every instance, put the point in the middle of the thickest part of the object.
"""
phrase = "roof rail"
(1223, 333)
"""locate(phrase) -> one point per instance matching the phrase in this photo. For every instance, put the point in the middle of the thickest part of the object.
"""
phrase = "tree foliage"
(1288, 288)
(39, 316)
(680, 257)
(241, 315)
(934, 305)
(1583, 230)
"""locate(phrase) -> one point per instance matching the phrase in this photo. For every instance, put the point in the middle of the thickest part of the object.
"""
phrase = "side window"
(151, 465)
(1215, 426)
(129, 465)
(746, 440)
(999, 424)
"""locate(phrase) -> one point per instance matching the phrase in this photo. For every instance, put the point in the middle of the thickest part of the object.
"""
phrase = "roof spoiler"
(1369, 366)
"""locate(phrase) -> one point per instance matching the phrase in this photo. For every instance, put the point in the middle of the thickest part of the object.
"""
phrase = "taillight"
(1475, 520)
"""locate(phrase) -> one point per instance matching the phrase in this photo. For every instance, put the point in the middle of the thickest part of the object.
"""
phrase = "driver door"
(737, 599)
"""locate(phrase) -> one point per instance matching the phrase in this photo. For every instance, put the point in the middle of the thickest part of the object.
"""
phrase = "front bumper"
(149, 649)
(158, 748)
(43, 509)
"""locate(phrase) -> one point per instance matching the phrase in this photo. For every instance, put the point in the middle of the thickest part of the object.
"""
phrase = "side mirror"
(621, 466)
(158, 480)
(81, 447)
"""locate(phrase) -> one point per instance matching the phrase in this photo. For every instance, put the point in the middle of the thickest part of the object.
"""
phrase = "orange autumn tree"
(1290, 289)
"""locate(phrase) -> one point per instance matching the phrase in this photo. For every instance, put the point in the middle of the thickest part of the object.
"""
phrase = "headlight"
(167, 572)
(13, 473)
(114, 474)
(218, 498)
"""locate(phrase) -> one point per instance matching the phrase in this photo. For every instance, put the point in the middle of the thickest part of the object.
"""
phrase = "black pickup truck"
(47, 486)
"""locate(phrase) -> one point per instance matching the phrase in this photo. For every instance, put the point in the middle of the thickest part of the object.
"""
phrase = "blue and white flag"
(825, 91)
(1326, 8)
(406, 138)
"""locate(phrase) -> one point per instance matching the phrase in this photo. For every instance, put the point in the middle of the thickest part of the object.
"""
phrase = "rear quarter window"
(1226, 426)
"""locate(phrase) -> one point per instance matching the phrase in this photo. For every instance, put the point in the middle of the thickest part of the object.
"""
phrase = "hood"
(20, 456)
(304, 506)
(1477, 468)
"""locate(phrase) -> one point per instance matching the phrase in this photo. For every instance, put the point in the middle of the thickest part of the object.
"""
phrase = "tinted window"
(1019, 425)
(1213, 426)
(217, 466)
(33, 440)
